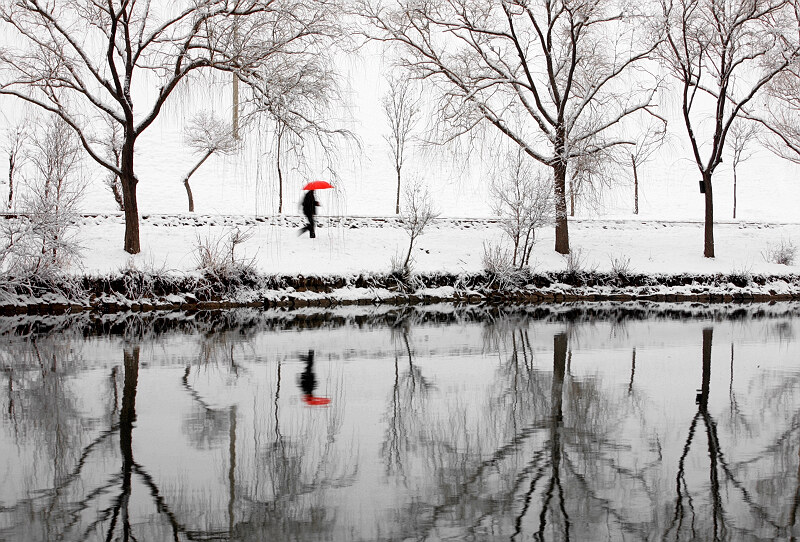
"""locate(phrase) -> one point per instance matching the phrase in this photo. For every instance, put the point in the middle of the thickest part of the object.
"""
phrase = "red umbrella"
(317, 185)
(311, 400)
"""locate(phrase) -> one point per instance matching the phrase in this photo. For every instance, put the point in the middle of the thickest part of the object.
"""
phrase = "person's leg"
(305, 228)
(312, 229)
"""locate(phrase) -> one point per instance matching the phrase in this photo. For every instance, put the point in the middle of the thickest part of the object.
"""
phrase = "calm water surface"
(540, 425)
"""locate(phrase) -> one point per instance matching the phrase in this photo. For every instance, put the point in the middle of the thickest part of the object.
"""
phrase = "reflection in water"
(511, 428)
(308, 382)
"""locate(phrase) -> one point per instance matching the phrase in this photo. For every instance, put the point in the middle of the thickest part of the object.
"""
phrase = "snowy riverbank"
(349, 263)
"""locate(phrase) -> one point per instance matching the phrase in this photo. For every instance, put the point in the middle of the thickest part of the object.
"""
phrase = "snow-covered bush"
(740, 276)
(620, 265)
(783, 253)
(498, 264)
(575, 263)
(217, 260)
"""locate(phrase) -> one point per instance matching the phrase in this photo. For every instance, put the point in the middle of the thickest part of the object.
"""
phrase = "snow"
(359, 233)
(354, 245)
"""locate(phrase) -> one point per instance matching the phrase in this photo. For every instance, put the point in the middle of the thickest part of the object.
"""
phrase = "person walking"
(310, 205)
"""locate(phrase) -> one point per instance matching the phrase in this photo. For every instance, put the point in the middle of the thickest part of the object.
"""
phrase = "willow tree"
(296, 96)
(571, 70)
(722, 53)
(119, 61)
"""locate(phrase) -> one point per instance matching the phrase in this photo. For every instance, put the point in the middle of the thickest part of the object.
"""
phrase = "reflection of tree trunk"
(730, 389)
(232, 469)
(714, 452)
(633, 371)
(127, 418)
(711, 434)
(702, 399)
(556, 417)
(795, 504)
(10, 393)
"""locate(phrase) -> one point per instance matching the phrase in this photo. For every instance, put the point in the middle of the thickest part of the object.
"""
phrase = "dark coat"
(310, 204)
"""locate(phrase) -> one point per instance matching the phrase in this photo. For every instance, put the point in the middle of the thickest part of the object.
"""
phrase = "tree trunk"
(397, 204)
(189, 194)
(208, 153)
(129, 181)
(11, 161)
(559, 186)
(734, 192)
(280, 173)
(635, 186)
(708, 250)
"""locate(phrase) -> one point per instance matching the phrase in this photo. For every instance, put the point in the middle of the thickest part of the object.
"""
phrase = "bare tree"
(79, 59)
(651, 137)
(42, 242)
(401, 106)
(722, 54)
(418, 212)
(523, 200)
(206, 135)
(297, 97)
(565, 68)
(743, 134)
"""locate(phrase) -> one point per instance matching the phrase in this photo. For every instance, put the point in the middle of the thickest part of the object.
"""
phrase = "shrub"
(620, 265)
(740, 277)
(216, 258)
(784, 253)
(499, 265)
(575, 263)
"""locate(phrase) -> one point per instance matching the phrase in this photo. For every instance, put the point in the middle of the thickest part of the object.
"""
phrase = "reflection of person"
(308, 381)
(310, 205)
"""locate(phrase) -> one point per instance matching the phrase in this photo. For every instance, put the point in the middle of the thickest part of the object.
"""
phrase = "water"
(545, 424)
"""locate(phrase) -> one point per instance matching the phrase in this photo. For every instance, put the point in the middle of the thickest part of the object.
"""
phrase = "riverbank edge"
(142, 292)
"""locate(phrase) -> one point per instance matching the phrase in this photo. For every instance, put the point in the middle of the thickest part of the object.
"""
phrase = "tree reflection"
(534, 434)
(409, 390)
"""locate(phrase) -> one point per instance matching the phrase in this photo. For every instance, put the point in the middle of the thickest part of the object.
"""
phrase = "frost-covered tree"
(743, 135)
(417, 214)
(122, 60)
(569, 69)
(206, 135)
(41, 241)
(401, 107)
(722, 53)
(650, 137)
(296, 97)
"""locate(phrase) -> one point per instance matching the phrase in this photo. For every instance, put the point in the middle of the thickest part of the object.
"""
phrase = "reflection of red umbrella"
(310, 400)
(317, 185)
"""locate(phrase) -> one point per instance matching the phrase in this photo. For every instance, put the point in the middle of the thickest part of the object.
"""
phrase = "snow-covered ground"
(351, 245)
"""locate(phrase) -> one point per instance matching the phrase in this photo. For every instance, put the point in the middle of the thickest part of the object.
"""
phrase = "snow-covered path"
(351, 245)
